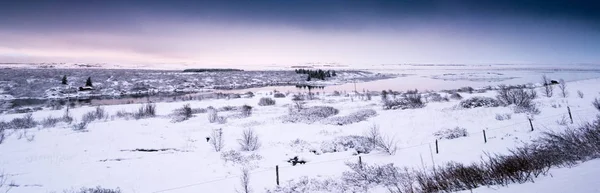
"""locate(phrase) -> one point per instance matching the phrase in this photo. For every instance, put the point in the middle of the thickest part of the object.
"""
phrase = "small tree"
(88, 82)
(548, 88)
(246, 110)
(562, 85)
(216, 140)
(249, 140)
(64, 80)
(245, 182)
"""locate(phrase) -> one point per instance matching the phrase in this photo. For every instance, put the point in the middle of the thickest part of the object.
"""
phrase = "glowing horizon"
(294, 32)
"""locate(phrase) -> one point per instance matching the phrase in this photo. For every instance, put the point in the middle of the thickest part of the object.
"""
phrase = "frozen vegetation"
(493, 139)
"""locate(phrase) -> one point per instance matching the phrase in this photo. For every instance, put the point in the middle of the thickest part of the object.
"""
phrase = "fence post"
(360, 162)
(484, 137)
(277, 174)
(531, 124)
(437, 151)
(570, 116)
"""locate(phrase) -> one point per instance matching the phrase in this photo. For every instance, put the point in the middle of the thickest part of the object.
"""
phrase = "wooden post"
(570, 116)
(277, 174)
(531, 124)
(484, 137)
(360, 162)
(437, 151)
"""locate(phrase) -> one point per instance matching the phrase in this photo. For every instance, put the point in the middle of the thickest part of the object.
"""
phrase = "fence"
(527, 125)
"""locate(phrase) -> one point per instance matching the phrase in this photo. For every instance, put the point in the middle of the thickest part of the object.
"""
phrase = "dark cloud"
(330, 14)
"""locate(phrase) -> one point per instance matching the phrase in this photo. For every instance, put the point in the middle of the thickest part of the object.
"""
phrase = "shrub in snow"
(451, 133)
(249, 140)
(245, 182)
(279, 95)
(98, 114)
(355, 117)
(246, 111)
(436, 97)
(477, 101)
(216, 140)
(502, 117)
(580, 94)
(596, 104)
(379, 141)
(50, 122)
(410, 101)
(548, 86)
(94, 190)
(310, 115)
(238, 158)
(304, 184)
(360, 144)
(80, 126)
(183, 113)
(145, 111)
(25, 122)
(456, 96)
(521, 98)
(364, 176)
(266, 101)
(248, 94)
(562, 86)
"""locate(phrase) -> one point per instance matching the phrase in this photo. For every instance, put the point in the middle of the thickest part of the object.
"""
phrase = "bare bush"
(310, 115)
(249, 140)
(385, 143)
(216, 140)
(502, 117)
(562, 86)
(477, 101)
(548, 86)
(24, 122)
(237, 158)
(266, 101)
(451, 133)
(246, 111)
(354, 117)
(304, 184)
(145, 111)
(50, 122)
(436, 97)
(245, 182)
(98, 114)
(67, 118)
(410, 101)
(81, 126)
(361, 144)
(580, 94)
(183, 113)
(364, 176)
(596, 104)
(521, 164)
(94, 190)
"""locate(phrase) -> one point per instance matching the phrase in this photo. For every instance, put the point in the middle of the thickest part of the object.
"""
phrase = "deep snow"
(59, 158)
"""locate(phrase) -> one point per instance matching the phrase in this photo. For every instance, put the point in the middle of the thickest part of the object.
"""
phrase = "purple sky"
(299, 31)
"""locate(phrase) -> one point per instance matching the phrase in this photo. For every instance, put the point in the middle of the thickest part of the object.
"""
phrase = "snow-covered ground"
(60, 158)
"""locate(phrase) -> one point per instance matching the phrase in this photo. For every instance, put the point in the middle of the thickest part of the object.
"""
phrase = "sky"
(291, 32)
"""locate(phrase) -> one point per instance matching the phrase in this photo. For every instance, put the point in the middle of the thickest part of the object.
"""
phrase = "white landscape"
(164, 147)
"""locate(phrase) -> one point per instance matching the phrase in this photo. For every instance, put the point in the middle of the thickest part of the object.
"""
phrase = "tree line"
(317, 74)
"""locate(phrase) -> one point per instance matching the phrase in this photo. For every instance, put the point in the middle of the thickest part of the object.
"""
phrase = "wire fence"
(538, 123)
